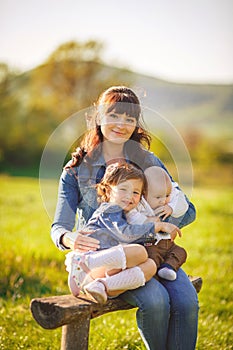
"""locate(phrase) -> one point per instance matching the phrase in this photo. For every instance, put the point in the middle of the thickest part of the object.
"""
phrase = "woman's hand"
(79, 241)
(173, 230)
(163, 211)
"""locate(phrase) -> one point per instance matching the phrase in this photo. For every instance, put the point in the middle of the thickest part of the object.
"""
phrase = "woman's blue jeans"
(167, 314)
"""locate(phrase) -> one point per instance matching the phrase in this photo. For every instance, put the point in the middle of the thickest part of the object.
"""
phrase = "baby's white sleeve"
(145, 208)
(134, 217)
(178, 202)
(139, 215)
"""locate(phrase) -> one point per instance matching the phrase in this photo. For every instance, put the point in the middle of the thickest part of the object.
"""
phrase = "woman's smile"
(117, 127)
(117, 132)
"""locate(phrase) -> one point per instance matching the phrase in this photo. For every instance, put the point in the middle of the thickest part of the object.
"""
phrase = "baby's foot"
(167, 274)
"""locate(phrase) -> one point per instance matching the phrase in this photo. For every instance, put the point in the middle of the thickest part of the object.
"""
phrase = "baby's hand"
(163, 211)
(173, 230)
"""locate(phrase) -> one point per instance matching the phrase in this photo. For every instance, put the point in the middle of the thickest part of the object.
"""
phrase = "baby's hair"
(117, 173)
(159, 175)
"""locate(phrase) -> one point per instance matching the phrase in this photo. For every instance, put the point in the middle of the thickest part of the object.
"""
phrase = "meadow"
(31, 266)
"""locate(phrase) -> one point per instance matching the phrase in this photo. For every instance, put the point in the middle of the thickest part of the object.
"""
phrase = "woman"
(167, 311)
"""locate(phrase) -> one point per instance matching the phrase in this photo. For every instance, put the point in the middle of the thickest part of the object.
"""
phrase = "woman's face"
(117, 128)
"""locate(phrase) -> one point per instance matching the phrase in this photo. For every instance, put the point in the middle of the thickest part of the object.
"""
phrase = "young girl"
(127, 266)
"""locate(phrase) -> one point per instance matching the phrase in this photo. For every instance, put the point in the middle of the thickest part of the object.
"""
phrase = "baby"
(164, 200)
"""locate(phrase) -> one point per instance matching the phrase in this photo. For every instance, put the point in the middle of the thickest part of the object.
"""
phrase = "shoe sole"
(75, 290)
(97, 296)
(196, 282)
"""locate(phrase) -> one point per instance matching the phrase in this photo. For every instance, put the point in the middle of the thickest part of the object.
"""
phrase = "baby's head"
(159, 186)
(122, 184)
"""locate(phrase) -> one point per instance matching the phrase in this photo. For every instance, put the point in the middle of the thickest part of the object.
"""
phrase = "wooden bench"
(74, 315)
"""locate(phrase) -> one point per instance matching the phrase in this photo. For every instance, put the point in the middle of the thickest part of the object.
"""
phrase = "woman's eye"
(114, 116)
(130, 120)
(137, 193)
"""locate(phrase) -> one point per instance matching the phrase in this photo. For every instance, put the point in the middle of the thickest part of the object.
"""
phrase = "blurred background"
(58, 56)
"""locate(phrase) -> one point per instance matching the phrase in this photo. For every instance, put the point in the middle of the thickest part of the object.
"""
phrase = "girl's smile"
(127, 194)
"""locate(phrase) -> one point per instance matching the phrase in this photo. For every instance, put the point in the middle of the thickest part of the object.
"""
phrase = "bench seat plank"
(74, 315)
(56, 311)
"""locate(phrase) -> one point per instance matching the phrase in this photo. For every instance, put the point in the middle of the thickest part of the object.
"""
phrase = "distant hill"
(33, 104)
(204, 107)
(207, 108)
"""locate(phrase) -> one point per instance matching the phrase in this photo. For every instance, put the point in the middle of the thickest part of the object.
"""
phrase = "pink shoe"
(79, 273)
(97, 290)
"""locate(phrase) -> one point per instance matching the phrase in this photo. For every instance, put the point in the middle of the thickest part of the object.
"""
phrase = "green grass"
(31, 266)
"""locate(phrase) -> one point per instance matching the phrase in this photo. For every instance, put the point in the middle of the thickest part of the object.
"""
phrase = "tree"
(34, 103)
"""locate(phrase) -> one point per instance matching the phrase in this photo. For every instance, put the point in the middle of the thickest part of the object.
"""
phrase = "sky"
(175, 40)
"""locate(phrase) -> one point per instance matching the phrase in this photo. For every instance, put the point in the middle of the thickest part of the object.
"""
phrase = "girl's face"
(117, 128)
(126, 194)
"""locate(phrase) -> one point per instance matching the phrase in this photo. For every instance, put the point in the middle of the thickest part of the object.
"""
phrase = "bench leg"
(75, 335)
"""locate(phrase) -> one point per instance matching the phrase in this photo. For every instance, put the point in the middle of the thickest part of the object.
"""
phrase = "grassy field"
(31, 266)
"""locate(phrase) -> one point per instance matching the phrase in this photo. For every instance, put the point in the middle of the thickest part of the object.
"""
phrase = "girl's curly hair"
(117, 173)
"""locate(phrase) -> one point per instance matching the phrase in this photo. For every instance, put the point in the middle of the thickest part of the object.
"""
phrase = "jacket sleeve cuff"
(56, 234)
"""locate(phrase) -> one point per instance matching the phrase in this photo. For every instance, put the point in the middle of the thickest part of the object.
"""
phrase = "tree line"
(34, 103)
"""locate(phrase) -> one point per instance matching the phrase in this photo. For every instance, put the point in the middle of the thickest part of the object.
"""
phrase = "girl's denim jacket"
(111, 228)
(77, 198)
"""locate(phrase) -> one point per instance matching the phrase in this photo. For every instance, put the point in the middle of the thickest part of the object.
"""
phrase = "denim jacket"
(110, 227)
(77, 198)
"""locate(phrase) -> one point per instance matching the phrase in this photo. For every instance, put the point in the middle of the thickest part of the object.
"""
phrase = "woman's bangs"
(131, 109)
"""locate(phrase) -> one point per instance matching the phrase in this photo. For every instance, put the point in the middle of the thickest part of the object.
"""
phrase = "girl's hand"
(79, 241)
(163, 211)
(173, 230)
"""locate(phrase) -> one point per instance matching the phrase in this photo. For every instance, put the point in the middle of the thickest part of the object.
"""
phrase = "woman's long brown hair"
(122, 100)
